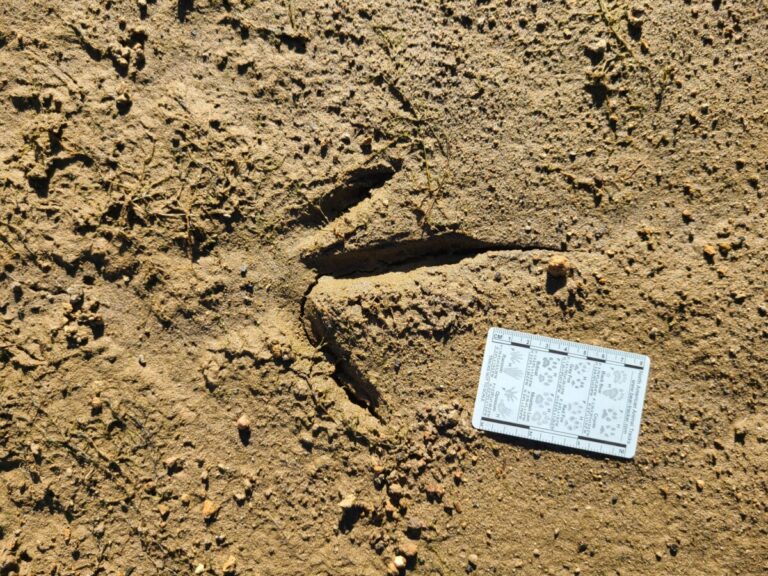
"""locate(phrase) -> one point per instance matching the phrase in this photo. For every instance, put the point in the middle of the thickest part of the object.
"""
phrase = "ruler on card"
(559, 392)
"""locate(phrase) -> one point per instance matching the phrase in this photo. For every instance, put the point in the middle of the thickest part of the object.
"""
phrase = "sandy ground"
(250, 252)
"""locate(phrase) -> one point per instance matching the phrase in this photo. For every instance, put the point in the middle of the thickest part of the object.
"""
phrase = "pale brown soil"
(309, 214)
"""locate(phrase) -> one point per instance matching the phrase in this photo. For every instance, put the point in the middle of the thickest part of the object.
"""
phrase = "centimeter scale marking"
(561, 392)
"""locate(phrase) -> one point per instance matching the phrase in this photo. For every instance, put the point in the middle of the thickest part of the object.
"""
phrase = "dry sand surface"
(250, 251)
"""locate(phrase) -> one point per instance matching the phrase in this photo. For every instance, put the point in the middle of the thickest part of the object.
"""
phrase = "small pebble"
(414, 527)
(347, 502)
(244, 423)
(409, 549)
(472, 560)
(559, 266)
(76, 299)
(395, 489)
(230, 566)
(435, 490)
(97, 404)
(400, 562)
(596, 48)
(210, 510)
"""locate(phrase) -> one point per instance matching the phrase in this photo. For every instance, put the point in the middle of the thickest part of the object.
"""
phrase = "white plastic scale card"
(561, 392)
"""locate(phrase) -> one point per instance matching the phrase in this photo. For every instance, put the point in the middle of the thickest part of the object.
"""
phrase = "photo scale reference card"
(560, 392)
